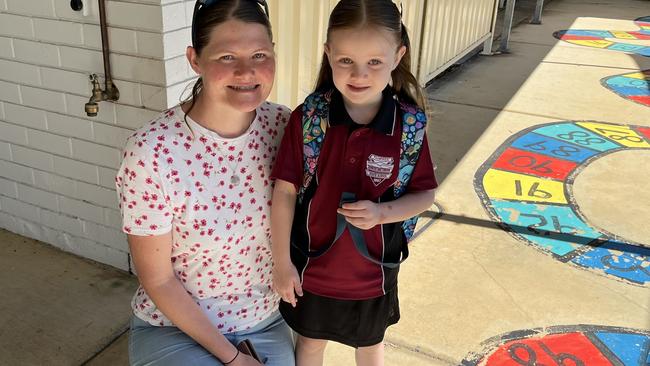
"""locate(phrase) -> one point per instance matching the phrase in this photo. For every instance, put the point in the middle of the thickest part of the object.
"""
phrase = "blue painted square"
(577, 136)
(631, 91)
(619, 259)
(541, 224)
(590, 33)
(629, 86)
(626, 47)
(631, 349)
(551, 147)
(644, 52)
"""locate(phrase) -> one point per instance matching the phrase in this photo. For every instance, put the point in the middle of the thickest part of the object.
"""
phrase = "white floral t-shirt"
(214, 195)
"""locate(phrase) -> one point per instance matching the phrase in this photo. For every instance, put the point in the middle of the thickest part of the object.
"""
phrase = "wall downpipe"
(110, 92)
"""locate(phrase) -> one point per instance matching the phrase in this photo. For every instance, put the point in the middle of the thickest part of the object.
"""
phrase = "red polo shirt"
(364, 160)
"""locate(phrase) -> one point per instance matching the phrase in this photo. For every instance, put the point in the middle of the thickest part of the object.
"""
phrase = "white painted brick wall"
(44, 8)
(16, 26)
(65, 81)
(9, 92)
(16, 172)
(8, 188)
(94, 153)
(36, 53)
(6, 47)
(70, 126)
(5, 151)
(33, 158)
(76, 170)
(58, 31)
(20, 209)
(45, 99)
(38, 197)
(13, 133)
(19, 72)
(26, 116)
(49, 142)
(57, 165)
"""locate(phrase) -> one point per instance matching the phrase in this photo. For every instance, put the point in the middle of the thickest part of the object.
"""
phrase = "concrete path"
(469, 287)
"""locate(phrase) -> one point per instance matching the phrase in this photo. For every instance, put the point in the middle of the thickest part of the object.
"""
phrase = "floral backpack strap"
(414, 123)
(315, 112)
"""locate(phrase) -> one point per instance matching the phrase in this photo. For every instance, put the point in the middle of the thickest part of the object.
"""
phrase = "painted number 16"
(532, 192)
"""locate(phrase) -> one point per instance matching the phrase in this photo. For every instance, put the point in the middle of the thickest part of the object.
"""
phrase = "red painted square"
(643, 99)
(640, 35)
(568, 349)
(645, 131)
(571, 37)
(527, 162)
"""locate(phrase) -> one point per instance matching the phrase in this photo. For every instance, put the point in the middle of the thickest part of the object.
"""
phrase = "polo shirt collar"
(383, 122)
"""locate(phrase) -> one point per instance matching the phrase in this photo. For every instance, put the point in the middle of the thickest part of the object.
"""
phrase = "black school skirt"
(356, 323)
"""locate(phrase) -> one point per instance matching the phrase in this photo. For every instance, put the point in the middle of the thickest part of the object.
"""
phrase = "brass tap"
(110, 93)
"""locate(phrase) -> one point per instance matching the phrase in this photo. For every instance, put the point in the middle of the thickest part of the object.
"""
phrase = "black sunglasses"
(203, 4)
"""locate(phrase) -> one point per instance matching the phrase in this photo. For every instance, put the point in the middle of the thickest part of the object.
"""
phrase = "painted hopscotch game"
(529, 187)
(566, 345)
(633, 86)
(622, 41)
(526, 185)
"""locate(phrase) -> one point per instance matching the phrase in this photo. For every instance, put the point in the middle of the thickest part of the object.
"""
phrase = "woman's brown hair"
(383, 14)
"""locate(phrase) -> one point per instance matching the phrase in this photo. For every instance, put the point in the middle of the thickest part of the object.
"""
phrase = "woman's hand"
(286, 282)
(362, 214)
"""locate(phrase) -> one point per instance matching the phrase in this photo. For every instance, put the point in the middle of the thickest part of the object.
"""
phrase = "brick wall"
(57, 165)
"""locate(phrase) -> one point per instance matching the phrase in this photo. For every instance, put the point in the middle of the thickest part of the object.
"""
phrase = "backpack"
(314, 127)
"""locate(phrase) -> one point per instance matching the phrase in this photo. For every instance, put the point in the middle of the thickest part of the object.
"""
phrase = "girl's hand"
(286, 282)
(362, 214)
(244, 360)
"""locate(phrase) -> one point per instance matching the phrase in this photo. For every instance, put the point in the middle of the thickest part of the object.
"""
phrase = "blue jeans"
(169, 346)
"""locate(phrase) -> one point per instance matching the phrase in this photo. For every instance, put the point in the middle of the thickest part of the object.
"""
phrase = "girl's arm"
(286, 281)
(367, 214)
(151, 256)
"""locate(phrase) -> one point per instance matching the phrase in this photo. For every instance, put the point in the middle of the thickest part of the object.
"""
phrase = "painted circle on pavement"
(633, 86)
(527, 187)
(580, 345)
(636, 42)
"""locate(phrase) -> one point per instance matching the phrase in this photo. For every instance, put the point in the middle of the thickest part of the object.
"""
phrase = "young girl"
(194, 193)
(335, 261)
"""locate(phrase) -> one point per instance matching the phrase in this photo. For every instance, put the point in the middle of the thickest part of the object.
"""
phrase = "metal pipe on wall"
(110, 92)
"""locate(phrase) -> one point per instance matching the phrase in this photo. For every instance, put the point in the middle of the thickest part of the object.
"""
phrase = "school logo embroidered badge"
(379, 168)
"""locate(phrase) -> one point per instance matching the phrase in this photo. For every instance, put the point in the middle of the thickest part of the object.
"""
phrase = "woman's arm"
(286, 281)
(151, 255)
(367, 214)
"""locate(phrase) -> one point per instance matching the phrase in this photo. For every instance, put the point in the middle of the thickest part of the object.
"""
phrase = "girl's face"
(237, 65)
(362, 60)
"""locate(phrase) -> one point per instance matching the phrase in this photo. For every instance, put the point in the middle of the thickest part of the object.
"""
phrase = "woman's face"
(237, 65)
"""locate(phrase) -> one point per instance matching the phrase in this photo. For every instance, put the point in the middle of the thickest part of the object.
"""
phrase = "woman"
(194, 192)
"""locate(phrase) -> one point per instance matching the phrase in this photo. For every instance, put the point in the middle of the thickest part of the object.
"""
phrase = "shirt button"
(352, 160)
(357, 134)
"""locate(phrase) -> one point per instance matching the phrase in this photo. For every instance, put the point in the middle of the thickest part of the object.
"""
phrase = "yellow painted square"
(622, 35)
(592, 43)
(622, 135)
